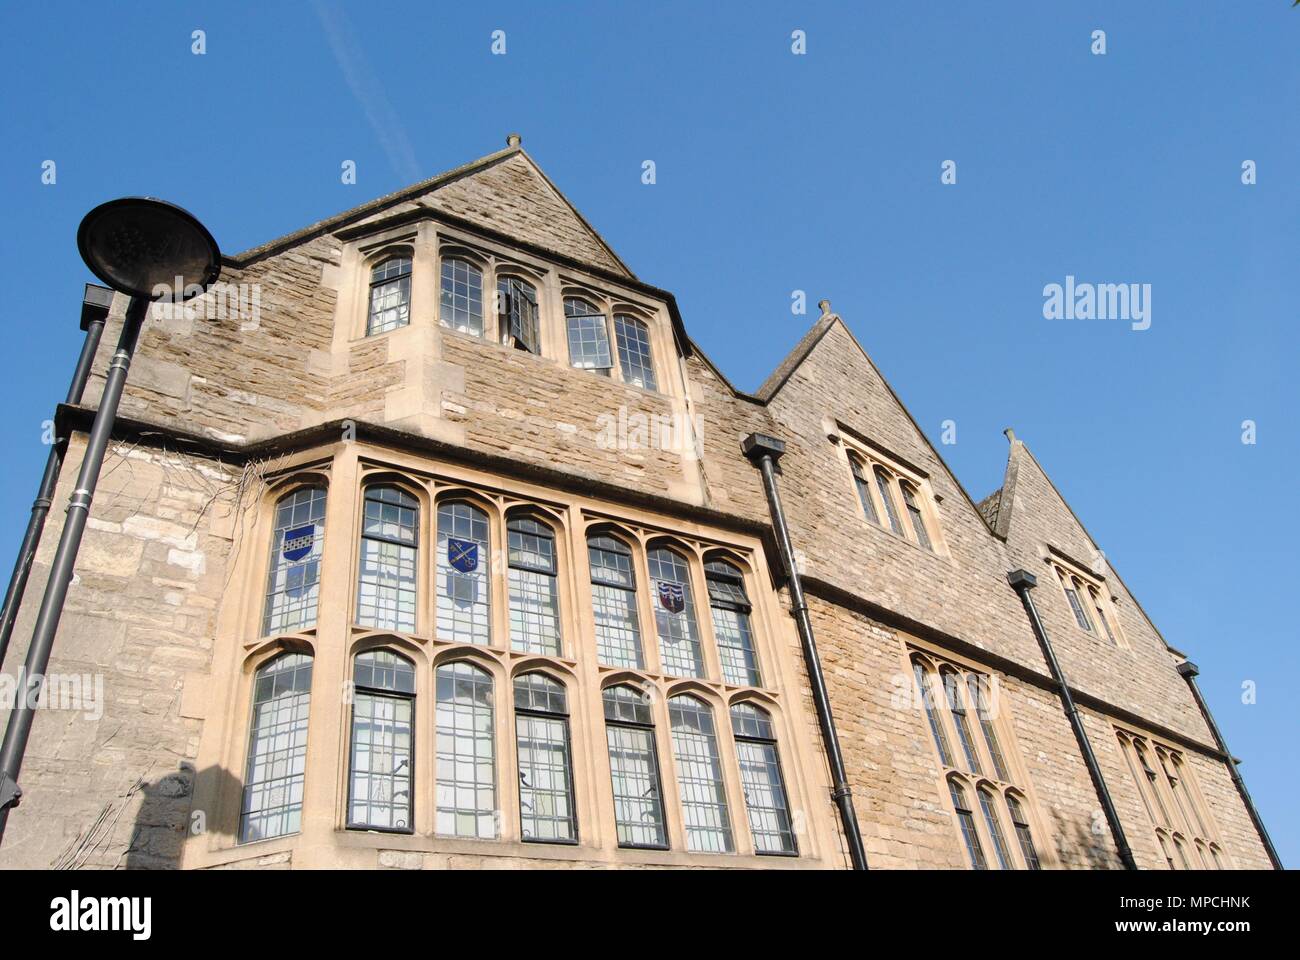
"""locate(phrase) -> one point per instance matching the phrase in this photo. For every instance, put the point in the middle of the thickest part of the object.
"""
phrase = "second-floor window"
(390, 295)
(464, 587)
(461, 302)
(679, 634)
(588, 336)
(293, 583)
(386, 591)
(534, 600)
(891, 498)
(518, 314)
(731, 608)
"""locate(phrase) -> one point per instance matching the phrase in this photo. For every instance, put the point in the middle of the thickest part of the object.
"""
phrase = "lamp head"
(141, 246)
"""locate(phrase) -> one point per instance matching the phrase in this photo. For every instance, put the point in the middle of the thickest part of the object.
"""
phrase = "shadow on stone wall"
(1078, 848)
(166, 816)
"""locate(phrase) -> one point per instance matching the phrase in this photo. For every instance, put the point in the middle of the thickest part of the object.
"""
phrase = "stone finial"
(825, 307)
(513, 140)
(1009, 434)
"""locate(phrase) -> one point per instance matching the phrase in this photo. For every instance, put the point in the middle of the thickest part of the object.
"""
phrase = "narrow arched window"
(989, 807)
(1216, 854)
(588, 336)
(293, 582)
(464, 587)
(699, 776)
(674, 603)
(383, 726)
(1072, 588)
(1179, 784)
(546, 812)
(1164, 848)
(978, 687)
(931, 714)
(461, 301)
(613, 601)
(634, 354)
(974, 849)
(1152, 783)
(957, 707)
(390, 295)
(390, 533)
(1101, 615)
(517, 314)
(534, 600)
(914, 514)
(466, 760)
(884, 483)
(634, 768)
(1020, 823)
(731, 626)
(277, 749)
(760, 777)
(1182, 852)
(863, 486)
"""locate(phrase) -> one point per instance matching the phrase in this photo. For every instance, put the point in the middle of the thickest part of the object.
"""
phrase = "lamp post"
(94, 311)
(150, 250)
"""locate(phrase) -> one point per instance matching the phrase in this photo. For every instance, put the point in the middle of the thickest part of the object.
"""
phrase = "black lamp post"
(150, 250)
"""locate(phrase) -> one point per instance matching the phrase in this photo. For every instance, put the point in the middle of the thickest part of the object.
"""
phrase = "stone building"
(448, 555)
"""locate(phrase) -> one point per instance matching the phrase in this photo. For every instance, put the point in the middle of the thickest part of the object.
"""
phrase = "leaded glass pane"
(994, 824)
(634, 769)
(534, 603)
(277, 749)
(386, 591)
(293, 582)
(956, 706)
(462, 297)
(588, 336)
(699, 776)
(864, 491)
(380, 794)
(679, 636)
(978, 687)
(760, 776)
(518, 314)
(914, 512)
(546, 809)
(973, 847)
(936, 725)
(463, 592)
(466, 773)
(1023, 834)
(731, 628)
(613, 601)
(390, 295)
(883, 483)
(634, 354)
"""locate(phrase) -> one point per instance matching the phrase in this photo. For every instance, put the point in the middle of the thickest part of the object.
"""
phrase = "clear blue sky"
(779, 172)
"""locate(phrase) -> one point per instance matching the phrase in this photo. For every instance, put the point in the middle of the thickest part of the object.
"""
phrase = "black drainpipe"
(1188, 671)
(763, 451)
(1022, 581)
(94, 311)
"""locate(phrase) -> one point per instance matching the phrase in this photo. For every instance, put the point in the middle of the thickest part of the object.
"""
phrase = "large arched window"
(461, 301)
(993, 821)
(466, 761)
(613, 601)
(863, 486)
(382, 762)
(1020, 823)
(390, 535)
(884, 484)
(960, 722)
(517, 314)
(390, 295)
(913, 506)
(293, 582)
(546, 811)
(464, 586)
(966, 821)
(534, 603)
(634, 768)
(674, 603)
(699, 776)
(922, 674)
(277, 749)
(588, 336)
(731, 627)
(634, 354)
(760, 775)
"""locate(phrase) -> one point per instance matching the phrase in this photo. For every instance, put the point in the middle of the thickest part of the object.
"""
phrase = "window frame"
(770, 742)
(529, 515)
(382, 481)
(312, 485)
(262, 669)
(373, 264)
(563, 718)
(879, 482)
(647, 727)
(1088, 599)
(378, 693)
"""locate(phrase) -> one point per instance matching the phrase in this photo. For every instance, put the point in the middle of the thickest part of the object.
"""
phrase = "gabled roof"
(545, 202)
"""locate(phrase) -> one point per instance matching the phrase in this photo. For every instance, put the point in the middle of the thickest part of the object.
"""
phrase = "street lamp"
(150, 250)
